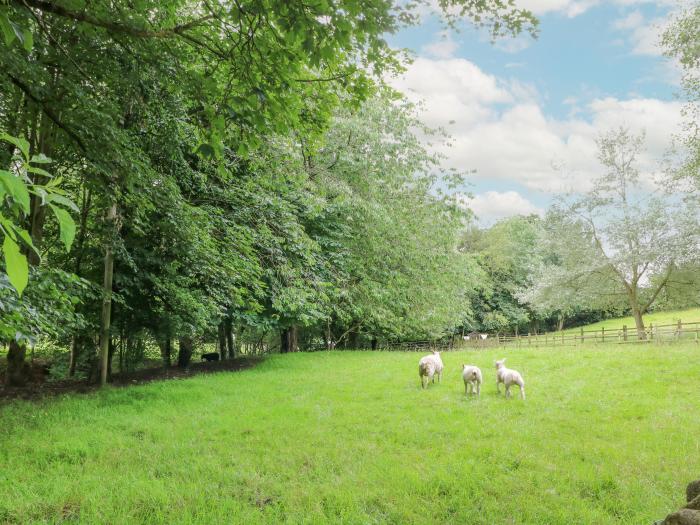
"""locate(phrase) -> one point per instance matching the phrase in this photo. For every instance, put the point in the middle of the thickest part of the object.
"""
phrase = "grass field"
(607, 435)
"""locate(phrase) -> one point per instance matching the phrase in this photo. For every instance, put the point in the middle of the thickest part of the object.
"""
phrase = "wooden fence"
(662, 333)
(417, 346)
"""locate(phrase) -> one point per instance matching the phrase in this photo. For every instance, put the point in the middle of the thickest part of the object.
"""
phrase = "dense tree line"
(181, 172)
(218, 169)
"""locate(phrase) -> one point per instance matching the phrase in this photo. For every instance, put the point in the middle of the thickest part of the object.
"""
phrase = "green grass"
(607, 435)
(690, 315)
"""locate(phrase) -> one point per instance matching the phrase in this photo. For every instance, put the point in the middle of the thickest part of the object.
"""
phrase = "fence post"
(624, 332)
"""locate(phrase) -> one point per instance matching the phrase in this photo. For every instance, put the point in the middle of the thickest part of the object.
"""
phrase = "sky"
(524, 113)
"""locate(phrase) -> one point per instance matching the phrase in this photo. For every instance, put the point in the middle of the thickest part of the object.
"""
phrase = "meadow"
(608, 434)
(669, 317)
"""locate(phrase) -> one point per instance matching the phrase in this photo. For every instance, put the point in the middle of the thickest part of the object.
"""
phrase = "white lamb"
(430, 366)
(472, 379)
(508, 377)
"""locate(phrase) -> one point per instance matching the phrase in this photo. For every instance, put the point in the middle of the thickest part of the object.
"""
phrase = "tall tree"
(682, 41)
(620, 239)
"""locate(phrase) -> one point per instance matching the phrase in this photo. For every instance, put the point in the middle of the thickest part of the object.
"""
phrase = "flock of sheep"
(431, 366)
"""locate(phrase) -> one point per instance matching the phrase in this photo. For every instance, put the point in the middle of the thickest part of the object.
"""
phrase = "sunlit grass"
(608, 434)
(690, 315)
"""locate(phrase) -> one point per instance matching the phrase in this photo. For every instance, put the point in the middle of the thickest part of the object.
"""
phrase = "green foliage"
(681, 41)
(16, 186)
(48, 309)
(219, 133)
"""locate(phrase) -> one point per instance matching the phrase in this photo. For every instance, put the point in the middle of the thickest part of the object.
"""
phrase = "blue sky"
(525, 113)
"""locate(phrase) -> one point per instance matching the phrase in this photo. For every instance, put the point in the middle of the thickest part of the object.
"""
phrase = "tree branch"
(659, 288)
(48, 112)
(50, 7)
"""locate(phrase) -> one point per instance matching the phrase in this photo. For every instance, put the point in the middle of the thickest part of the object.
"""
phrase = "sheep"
(428, 367)
(472, 379)
(508, 377)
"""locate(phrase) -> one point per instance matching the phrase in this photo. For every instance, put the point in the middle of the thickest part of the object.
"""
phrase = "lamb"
(472, 379)
(508, 377)
(428, 367)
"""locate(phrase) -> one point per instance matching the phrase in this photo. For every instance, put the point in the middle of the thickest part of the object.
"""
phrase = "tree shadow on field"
(37, 391)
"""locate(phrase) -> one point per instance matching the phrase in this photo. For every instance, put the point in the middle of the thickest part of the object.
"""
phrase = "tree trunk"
(352, 339)
(107, 294)
(288, 340)
(639, 322)
(184, 354)
(284, 341)
(38, 218)
(230, 342)
(17, 373)
(293, 338)
(560, 323)
(165, 351)
(109, 360)
(222, 340)
(74, 354)
(82, 230)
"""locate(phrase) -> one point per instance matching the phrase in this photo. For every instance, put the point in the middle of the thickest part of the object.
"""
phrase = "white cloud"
(632, 21)
(500, 129)
(570, 8)
(443, 47)
(643, 36)
(452, 90)
(493, 205)
(573, 8)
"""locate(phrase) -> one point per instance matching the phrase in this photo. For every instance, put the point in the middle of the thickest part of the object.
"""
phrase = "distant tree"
(507, 252)
(681, 41)
(619, 240)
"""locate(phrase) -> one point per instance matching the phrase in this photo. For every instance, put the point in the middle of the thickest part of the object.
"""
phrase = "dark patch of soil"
(40, 390)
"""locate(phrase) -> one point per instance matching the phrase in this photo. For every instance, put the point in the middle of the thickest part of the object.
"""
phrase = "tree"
(506, 252)
(390, 235)
(164, 121)
(619, 239)
(681, 41)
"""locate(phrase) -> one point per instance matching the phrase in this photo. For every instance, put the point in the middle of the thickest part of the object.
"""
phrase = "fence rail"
(662, 333)
(666, 333)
